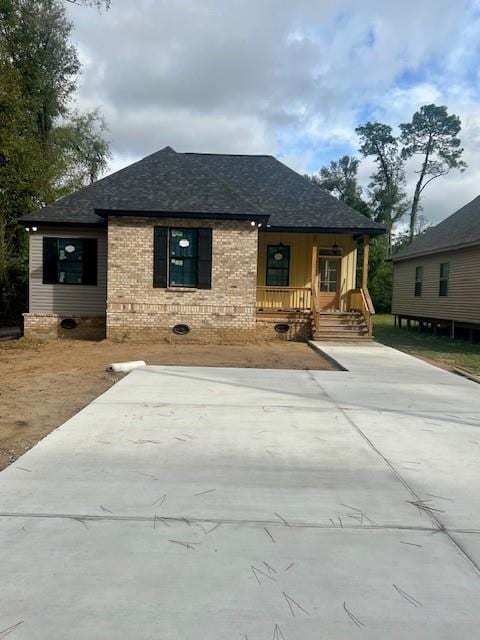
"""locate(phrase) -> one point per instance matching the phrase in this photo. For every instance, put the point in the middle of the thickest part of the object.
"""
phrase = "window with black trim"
(443, 282)
(278, 265)
(418, 281)
(70, 261)
(182, 257)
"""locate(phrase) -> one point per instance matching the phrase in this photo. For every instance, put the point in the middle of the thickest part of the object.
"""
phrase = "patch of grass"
(440, 349)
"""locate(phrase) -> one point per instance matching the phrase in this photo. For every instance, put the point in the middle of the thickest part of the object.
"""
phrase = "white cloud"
(292, 78)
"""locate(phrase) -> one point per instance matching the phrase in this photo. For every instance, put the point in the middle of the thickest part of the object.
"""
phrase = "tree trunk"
(414, 210)
(3, 253)
(418, 191)
(388, 226)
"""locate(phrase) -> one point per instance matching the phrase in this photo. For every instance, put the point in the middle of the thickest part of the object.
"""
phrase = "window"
(182, 258)
(278, 265)
(183, 247)
(443, 284)
(70, 261)
(330, 251)
(418, 281)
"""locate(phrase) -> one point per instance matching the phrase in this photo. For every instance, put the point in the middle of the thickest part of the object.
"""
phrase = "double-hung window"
(418, 281)
(278, 265)
(443, 281)
(70, 261)
(182, 257)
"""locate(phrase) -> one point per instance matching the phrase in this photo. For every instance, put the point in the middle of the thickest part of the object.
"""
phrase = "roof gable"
(462, 228)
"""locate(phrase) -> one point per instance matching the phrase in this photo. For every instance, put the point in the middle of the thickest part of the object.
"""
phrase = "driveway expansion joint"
(440, 527)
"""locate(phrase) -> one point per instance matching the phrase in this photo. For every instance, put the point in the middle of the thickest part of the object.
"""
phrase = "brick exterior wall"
(299, 327)
(138, 311)
(46, 326)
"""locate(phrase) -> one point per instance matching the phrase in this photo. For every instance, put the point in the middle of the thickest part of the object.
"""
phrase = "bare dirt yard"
(44, 384)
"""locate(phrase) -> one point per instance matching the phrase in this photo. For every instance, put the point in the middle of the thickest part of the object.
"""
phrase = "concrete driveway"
(194, 503)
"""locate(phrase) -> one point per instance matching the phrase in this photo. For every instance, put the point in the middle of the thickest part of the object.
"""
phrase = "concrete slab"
(437, 454)
(469, 542)
(408, 397)
(113, 579)
(219, 386)
(209, 462)
(249, 504)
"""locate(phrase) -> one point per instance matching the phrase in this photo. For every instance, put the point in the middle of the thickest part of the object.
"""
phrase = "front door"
(329, 283)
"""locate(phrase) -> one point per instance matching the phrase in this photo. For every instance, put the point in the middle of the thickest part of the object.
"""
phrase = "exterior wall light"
(34, 228)
(27, 228)
(252, 223)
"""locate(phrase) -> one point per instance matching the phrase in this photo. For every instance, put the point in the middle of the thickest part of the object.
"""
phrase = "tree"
(432, 134)
(341, 179)
(21, 183)
(38, 160)
(91, 3)
(85, 150)
(35, 37)
(380, 274)
(386, 185)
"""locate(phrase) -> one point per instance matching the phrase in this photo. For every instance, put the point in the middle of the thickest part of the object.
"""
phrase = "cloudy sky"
(292, 78)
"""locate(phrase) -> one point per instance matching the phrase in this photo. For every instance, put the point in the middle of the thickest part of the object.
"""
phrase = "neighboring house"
(206, 246)
(437, 277)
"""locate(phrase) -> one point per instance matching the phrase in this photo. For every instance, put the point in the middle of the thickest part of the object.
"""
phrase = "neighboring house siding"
(63, 299)
(462, 303)
(137, 310)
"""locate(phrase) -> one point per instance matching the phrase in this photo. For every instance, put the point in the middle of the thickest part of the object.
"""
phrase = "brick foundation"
(138, 311)
(44, 326)
(299, 327)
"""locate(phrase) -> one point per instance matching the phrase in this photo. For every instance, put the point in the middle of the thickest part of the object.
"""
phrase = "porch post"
(366, 248)
(314, 262)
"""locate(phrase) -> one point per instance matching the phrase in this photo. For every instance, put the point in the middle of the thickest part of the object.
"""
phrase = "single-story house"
(436, 278)
(192, 246)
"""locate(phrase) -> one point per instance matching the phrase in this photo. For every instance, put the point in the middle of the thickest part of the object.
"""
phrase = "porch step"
(360, 329)
(342, 322)
(340, 315)
(341, 326)
(342, 338)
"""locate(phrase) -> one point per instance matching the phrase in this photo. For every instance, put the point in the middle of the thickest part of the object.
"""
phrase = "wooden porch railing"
(284, 298)
(359, 300)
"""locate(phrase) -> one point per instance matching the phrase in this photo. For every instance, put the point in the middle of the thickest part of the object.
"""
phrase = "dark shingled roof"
(208, 185)
(460, 229)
